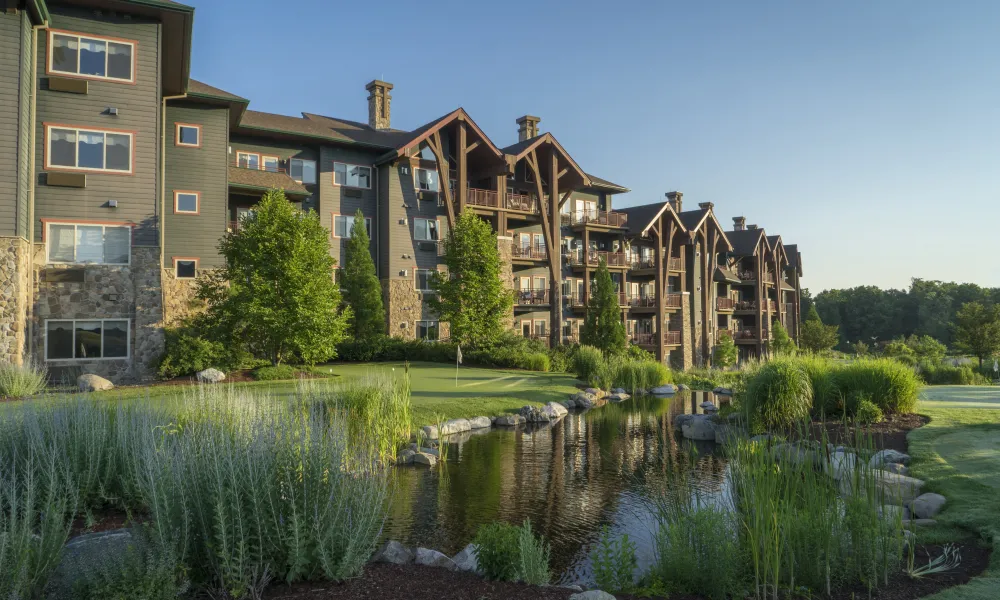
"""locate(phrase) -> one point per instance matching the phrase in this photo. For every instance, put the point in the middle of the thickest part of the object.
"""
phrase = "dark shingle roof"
(251, 179)
(692, 218)
(515, 149)
(745, 242)
(203, 89)
(640, 217)
(322, 128)
(607, 185)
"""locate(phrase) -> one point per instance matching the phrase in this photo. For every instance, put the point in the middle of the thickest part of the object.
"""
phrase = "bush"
(637, 353)
(613, 562)
(778, 395)
(534, 557)
(890, 384)
(589, 365)
(510, 553)
(899, 350)
(21, 381)
(561, 358)
(867, 413)
(186, 353)
(274, 373)
(943, 374)
(148, 570)
(638, 375)
(536, 361)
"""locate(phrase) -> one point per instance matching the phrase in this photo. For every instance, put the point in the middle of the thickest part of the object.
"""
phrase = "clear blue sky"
(866, 132)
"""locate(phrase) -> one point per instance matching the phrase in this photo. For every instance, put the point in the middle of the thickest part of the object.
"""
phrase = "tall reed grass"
(890, 384)
(21, 381)
(777, 396)
(378, 412)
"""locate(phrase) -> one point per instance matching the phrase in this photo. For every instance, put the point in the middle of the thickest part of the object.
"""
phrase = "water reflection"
(590, 469)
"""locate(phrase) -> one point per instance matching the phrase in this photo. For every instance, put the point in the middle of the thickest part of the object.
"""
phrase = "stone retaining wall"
(13, 298)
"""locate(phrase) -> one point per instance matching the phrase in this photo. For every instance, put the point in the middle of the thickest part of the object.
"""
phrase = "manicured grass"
(958, 455)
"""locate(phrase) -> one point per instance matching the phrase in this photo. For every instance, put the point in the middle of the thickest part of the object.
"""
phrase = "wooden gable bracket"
(563, 172)
(469, 148)
(444, 175)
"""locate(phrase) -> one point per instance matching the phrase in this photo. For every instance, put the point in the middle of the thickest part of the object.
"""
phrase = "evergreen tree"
(471, 297)
(977, 330)
(781, 342)
(275, 297)
(362, 290)
(726, 354)
(814, 336)
(603, 327)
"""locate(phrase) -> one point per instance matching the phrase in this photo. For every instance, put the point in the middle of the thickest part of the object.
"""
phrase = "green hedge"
(513, 352)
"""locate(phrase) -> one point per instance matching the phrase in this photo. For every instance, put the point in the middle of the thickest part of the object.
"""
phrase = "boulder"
(883, 457)
(405, 457)
(841, 464)
(618, 390)
(927, 506)
(508, 420)
(797, 453)
(682, 387)
(896, 468)
(210, 376)
(592, 595)
(466, 560)
(422, 458)
(618, 398)
(596, 392)
(479, 422)
(708, 407)
(432, 451)
(433, 558)
(898, 489)
(663, 390)
(394, 553)
(680, 420)
(454, 426)
(568, 404)
(89, 382)
(430, 432)
(918, 522)
(533, 414)
(555, 411)
(584, 399)
(700, 427)
(85, 553)
(722, 391)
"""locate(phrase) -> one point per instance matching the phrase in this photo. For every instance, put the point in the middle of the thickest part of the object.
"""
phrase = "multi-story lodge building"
(121, 173)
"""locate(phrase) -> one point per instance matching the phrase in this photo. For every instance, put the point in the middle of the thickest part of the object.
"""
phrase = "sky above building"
(865, 132)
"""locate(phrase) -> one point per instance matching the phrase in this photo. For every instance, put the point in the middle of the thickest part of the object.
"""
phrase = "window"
(424, 277)
(248, 160)
(86, 339)
(303, 171)
(91, 57)
(427, 331)
(526, 328)
(188, 135)
(78, 149)
(82, 243)
(425, 180)
(186, 268)
(539, 284)
(342, 225)
(540, 329)
(425, 229)
(270, 163)
(352, 175)
(187, 203)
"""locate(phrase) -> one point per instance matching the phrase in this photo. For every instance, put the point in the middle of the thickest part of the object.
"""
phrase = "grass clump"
(890, 384)
(21, 381)
(635, 375)
(508, 552)
(378, 412)
(777, 396)
(614, 562)
(942, 374)
(589, 366)
(274, 373)
(536, 361)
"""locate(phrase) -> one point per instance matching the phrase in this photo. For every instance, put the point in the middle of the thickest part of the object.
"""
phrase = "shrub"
(943, 374)
(186, 353)
(637, 353)
(778, 395)
(890, 384)
(614, 562)
(899, 350)
(498, 550)
(639, 375)
(536, 361)
(561, 358)
(867, 413)
(21, 381)
(534, 557)
(274, 373)
(148, 570)
(589, 365)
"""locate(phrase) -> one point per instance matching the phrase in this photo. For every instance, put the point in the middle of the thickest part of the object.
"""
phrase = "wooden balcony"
(750, 335)
(593, 257)
(598, 218)
(769, 278)
(672, 338)
(725, 304)
(644, 339)
(622, 299)
(721, 333)
(789, 308)
(575, 301)
(675, 264)
(638, 264)
(522, 203)
(483, 198)
(673, 300)
(532, 298)
(529, 252)
(641, 302)
(772, 306)
(745, 305)
(747, 276)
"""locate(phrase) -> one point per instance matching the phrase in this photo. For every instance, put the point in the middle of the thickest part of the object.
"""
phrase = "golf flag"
(458, 356)
(996, 366)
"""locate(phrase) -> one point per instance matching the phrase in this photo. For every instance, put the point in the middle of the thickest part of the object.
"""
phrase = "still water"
(593, 468)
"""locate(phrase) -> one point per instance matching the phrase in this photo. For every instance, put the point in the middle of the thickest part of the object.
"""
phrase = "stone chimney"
(752, 227)
(527, 127)
(706, 205)
(379, 100)
(674, 198)
(739, 223)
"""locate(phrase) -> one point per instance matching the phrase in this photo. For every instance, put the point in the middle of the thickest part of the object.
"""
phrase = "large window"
(80, 243)
(86, 339)
(342, 225)
(423, 279)
(426, 180)
(425, 229)
(303, 171)
(427, 331)
(352, 175)
(187, 203)
(187, 135)
(77, 149)
(91, 57)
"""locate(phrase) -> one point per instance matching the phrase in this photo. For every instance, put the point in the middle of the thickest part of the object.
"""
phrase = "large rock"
(596, 392)
(422, 458)
(927, 506)
(896, 489)
(534, 414)
(433, 558)
(883, 457)
(555, 411)
(479, 422)
(569, 404)
(700, 427)
(508, 420)
(663, 390)
(683, 387)
(87, 553)
(584, 399)
(680, 420)
(405, 457)
(454, 426)
(592, 595)
(89, 382)
(798, 453)
(841, 464)
(466, 560)
(394, 553)
(723, 391)
(210, 376)
(618, 398)
(897, 468)
(430, 432)
(618, 390)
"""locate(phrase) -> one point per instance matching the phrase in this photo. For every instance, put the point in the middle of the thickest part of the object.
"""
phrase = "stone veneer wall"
(14, 284)
(504, 247)
(687, 335)
(403, 304)
(131, 292)
(180, 297)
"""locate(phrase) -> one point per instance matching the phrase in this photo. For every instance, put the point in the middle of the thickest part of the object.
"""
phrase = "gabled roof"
(604, 184)
(641, 218)
(516, 152)
(745, 242)
(777, 247)
(414, 138)
(203, 90)
(694, 220)
(794, 257)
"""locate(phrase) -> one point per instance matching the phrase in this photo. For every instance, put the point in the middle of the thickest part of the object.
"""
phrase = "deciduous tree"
(977, 329)
(814, 336)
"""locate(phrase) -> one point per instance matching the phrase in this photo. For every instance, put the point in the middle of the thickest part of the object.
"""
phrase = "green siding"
(11, 72)
(202, 170)
(334, 199)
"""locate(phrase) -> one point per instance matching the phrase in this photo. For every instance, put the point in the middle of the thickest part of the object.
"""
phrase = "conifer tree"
(359, 282)
(603, 327)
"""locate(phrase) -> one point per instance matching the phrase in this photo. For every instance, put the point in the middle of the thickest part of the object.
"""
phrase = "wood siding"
(15, 98)
(26, 92)
(203, 170)
(138, 195)
(341, 200)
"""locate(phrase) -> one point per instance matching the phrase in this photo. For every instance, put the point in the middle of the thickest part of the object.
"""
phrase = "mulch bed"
(890, 434)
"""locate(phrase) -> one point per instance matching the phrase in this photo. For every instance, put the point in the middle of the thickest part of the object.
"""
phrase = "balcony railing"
(529, 252)
(485, 198)
(575, 300)
(789, 308)
(772, 306)
(622, 299)
(613, 259)
(523, 202)
(642, 263)
(673, 300)
(675, 264)
(532, 297)
(746, 305)
(745, 333)
(642, 301)
(437, 246)
(644, 339)
(598, 217)
(258, 166)
(724, 304)
(747, 275)
(721, 333)
(769, 278)
(672, 338)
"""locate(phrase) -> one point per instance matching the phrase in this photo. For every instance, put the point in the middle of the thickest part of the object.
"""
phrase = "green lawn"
(958, 455)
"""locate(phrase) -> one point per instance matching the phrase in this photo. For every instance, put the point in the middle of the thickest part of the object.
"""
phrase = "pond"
(593, 468)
